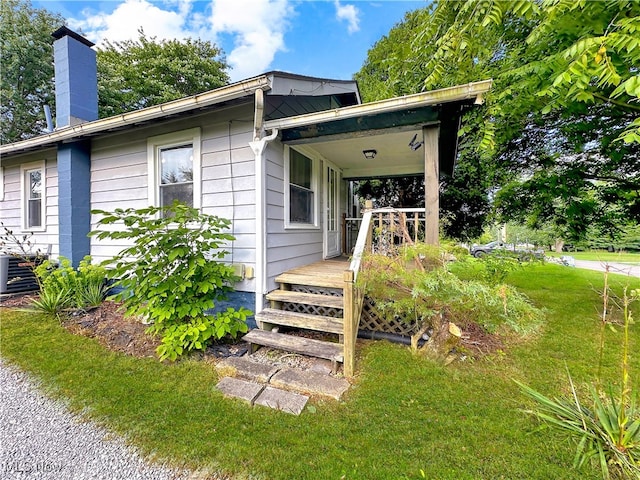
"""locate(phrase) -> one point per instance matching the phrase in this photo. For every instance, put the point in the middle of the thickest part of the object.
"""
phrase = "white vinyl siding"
(286, 247)
(120, 179)
(228, 184)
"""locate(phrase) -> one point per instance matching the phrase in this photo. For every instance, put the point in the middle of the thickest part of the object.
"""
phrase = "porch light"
(370, 154)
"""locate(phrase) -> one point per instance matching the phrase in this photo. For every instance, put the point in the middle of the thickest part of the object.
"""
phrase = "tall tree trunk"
(559, 244)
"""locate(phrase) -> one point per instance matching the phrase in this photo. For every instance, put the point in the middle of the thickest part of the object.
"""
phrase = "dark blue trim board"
(237, 300)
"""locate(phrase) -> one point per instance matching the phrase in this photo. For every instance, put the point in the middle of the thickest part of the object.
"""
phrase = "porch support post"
(430, 136)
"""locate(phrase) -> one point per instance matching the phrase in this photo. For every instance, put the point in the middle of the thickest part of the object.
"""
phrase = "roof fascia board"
(219, 95)
(473, 90)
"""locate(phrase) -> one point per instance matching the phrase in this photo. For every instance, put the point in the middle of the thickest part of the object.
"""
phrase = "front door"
(332, 247)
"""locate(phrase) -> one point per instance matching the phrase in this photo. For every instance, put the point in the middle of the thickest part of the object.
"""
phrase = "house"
(271, 153)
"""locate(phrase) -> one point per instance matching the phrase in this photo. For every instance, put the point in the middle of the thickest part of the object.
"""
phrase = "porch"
(323, 296)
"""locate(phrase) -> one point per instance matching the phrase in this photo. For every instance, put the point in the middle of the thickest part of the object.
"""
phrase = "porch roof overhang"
(392, 127)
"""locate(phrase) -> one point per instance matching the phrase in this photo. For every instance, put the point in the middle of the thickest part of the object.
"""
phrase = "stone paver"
(282, 400)
(245, 368)
(310, 382)
(275, 387)
(242, 389)
(321, 365)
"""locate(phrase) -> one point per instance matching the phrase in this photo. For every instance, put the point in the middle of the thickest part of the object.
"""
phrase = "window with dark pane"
(301, 200)
(34, 198)
(176, 175)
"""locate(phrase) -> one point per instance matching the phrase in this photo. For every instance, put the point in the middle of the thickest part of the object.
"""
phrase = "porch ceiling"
(394, 156)
(393, 127)
(396, 136)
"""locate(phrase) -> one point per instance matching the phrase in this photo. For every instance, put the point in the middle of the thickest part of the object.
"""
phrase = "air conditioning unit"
(16, 273)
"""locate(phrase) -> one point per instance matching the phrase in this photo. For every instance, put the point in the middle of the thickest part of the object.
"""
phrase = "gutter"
(258, 146)
(475, 91)
(219, 95)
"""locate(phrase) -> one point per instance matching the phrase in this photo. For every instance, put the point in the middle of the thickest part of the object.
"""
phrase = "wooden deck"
(325, 273)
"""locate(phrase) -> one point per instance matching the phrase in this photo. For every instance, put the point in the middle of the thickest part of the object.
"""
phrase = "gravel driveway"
(39, 438)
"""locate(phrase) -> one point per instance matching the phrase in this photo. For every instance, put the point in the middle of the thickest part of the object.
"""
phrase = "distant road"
(614, 267)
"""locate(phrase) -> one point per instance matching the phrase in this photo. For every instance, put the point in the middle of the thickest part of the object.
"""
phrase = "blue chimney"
(76, 78)
(76, 102)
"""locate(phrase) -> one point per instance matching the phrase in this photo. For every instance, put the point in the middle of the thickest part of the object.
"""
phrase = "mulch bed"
(112, 329)
(105, 323)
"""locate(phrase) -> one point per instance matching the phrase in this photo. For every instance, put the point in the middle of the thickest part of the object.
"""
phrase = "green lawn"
(403, 414)
(602, 256)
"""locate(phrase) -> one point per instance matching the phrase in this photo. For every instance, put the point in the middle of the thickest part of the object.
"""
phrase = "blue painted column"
(74, 200)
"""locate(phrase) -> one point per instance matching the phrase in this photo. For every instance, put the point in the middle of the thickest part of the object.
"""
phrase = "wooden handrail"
(364, 238)
(392, 226)
(384, 218)
(353, 296)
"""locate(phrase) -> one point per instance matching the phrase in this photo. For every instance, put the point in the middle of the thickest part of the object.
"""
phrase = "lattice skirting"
(314, 309)
(372, 320)
(334, 292)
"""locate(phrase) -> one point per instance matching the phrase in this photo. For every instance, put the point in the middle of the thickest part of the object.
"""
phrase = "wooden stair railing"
(381, 231)
(354, 296)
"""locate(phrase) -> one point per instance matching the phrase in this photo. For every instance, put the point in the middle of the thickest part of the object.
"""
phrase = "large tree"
(134, 74)
(561, 123)
(395, 66)
(26, 68)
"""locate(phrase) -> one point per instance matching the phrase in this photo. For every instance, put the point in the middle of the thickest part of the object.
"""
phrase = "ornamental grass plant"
(606, 425)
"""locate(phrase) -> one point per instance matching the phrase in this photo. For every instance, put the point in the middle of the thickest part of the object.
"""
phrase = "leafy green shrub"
(422, 295)
(609, 431)
(172, 275)
(62, 286)
(194, 335)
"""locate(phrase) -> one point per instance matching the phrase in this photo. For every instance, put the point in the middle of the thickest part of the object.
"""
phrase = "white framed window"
(33, 196)
(301, 190)
(174, 168)
(1, 183)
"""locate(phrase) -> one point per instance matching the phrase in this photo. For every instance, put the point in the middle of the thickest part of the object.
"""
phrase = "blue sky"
(323, 38)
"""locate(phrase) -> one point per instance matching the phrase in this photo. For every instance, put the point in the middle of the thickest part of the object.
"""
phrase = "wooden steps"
(319, 323)
(329, 301)
(316, 290)
(305, 346)
(311, 280)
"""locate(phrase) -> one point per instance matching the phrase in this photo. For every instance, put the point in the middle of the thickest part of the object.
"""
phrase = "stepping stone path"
(282, 388)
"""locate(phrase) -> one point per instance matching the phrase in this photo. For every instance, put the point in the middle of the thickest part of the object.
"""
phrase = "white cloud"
(349, 13)
(258, 26)
(129, 16)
